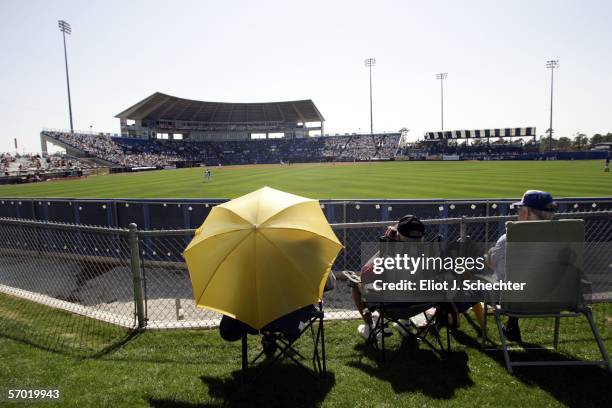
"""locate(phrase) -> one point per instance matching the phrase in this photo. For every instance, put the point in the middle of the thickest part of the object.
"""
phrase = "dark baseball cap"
(411, 227)
(538, 200)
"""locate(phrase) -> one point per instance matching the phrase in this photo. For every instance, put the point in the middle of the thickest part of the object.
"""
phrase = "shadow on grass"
(414, 368)
(283, 385)
(70, 349)
(58, 331)
(117, 344)
(572, 386)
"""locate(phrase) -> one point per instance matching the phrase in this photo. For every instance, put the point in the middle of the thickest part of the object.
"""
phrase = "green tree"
(580, 141)
(564, 143)
(544, 143)
(596, 138)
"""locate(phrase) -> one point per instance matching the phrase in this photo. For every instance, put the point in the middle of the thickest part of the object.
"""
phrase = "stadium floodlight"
(552, 64)
(370, 62)
(442, 76)
(66, 29)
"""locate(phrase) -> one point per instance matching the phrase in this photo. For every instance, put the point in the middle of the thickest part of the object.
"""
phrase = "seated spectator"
(289, 325)
(535, 206)
(408, 229)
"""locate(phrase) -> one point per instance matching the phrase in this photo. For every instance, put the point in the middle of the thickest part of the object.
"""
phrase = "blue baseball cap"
(538, 200)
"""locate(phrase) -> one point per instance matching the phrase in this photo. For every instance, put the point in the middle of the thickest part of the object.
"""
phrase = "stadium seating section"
(128, 152)
(505, 150)
(20, 168)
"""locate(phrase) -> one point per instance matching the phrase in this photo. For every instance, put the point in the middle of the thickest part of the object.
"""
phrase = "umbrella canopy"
(261, 256)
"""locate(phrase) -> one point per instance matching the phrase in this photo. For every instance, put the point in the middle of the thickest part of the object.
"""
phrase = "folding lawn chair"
(400, 308)
(548, 256)
(279, 338)
(400, 313)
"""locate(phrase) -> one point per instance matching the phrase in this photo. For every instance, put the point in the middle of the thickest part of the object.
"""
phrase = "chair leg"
(435, 332)
(245, 361)
(282, 343)
(322, 340)
(316, 359)
(556, 338)
(502, 338)
(602, 348)
(448, 341)
(483, 331)
(381, 320)
(316, 362)
(283, 352)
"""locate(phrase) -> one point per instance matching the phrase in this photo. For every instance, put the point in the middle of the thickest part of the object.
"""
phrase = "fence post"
(136, 275)
(462, 229)
(344, 234)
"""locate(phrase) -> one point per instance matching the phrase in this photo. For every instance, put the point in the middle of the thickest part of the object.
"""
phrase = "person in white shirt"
(536, 205)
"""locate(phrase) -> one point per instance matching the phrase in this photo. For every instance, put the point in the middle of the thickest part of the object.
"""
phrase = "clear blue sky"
(245, 51)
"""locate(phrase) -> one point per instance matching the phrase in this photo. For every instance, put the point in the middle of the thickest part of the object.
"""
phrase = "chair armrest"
(490, 297)
(486, 278)
(352, 277)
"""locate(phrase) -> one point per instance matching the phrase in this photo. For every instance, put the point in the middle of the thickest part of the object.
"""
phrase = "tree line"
(579, 142)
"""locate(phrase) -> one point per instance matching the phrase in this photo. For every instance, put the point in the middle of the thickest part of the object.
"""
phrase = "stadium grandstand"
(141, 153)
(25, 168)
(519, 143)
(166, 131)
(508, 144)
(481, 134)
(161, 116)
(475, 145)
(163, 131)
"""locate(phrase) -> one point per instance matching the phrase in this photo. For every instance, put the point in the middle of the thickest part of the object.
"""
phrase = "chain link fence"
(84, 271)
(135, 279)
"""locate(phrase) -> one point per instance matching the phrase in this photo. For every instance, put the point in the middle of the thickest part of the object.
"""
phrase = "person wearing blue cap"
(536, 205)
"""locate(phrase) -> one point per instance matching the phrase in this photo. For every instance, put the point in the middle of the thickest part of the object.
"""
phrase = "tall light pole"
(370, 62)
(552, 64)
(442, 76)
(65, 29)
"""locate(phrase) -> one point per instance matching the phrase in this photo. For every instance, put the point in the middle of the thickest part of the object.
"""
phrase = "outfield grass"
(504, 179)
(96, 364)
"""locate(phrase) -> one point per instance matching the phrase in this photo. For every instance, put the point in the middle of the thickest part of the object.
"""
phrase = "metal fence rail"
(163, 214)
(135, 279)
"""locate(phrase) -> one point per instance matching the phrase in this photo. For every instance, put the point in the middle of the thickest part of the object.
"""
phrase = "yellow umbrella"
(261, 256)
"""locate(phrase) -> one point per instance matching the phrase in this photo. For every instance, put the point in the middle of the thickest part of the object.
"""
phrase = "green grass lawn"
(504, 179)
(96, 364)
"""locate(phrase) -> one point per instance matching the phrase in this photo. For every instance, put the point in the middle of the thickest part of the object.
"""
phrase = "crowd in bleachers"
(123, 154)
(484, 151)
(128, 152)
(33, 167)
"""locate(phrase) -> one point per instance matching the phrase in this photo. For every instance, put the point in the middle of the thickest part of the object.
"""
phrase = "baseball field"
(485, 179)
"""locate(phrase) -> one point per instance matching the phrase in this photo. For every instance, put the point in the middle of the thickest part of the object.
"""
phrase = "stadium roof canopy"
(480, 133)
(160, 106)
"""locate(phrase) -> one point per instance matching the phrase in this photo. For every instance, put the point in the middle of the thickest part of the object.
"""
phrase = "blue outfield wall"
(159, 214)
(190, 213)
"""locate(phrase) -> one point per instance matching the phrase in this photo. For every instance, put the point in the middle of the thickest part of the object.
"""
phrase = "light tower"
(370, 62)
(66, 29)
(442, 76)
(552, 64)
